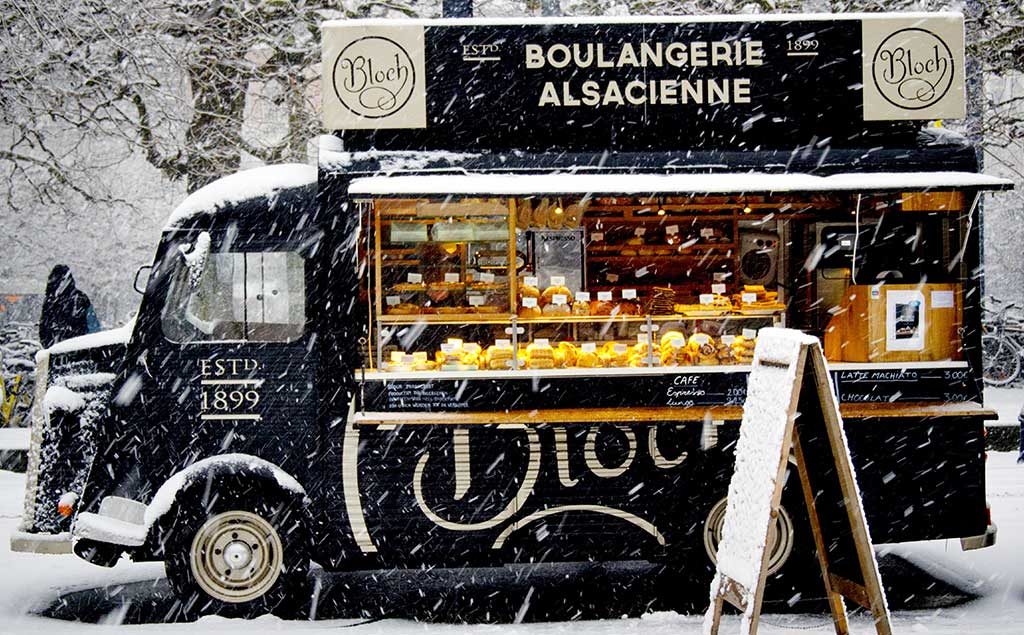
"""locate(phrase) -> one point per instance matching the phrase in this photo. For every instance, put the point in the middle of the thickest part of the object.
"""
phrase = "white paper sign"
(640, 231)
(583, 296)
(718, 288)
(905, 323)
(604, 296)
(612, 277)
(707, 232)
(503, 343)
(597, 236)
(393, 300)
(707, 298)
(749, 334)
(476, 300)
(641, 272)
(486, 277)
(414, 278)
(748, 298)
(529, 303)
(619, 349)
(447, 348)
(589, 347)
(728, 339)
(558, 281)
(943, 300)
(530, 281)
(451, 277)
(672, 230)
(559, 299)
(629, 294)
(542, 342)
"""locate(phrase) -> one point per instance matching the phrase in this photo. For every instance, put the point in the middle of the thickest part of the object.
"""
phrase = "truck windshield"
(239, 296)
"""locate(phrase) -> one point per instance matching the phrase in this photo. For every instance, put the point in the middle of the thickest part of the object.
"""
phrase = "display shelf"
(484, 318)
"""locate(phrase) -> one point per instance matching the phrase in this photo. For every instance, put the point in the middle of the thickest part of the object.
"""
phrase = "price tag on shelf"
(629, 294)
(530, 281)
(639, 231)
(750, 334)
(748, 298)
(448, 348)
(597, 236)
(604, 296)
(612, 277)
(542, 342)
(702, 338)
(588, 347)
(619, 348)
(408, 359)
(503, 343)
(707, 298)
(677, 342)
(721, 276)
(718, 288)
(641, 272)
(393, 300)
(707, 232)
(728, 339)
(486, 277)
(583, 296)
(529, 303)
(477, 300)
(558, 281)
(396, 356)
(420, 356)
(559, 299)
(451, 277)
(672, 230)
(414, 278)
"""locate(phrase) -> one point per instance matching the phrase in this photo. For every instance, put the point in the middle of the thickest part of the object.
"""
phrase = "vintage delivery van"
(510, 315)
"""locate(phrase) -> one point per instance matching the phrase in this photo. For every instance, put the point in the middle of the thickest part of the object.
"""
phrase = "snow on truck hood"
(248, 184)
(109, 337)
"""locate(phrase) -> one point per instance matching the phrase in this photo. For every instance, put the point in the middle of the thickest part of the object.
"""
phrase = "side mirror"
(142, 278)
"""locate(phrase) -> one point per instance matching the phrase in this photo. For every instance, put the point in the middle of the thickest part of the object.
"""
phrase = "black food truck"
(510, 316)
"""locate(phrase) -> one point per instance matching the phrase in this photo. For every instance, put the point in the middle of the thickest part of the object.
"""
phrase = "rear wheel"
(241, 558)
(1000, 360)
(794, 576)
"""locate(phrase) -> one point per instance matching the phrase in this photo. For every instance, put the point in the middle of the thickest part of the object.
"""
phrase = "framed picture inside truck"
(510, 315)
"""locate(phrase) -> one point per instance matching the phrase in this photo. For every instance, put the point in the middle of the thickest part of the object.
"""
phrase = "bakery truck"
(429, 351)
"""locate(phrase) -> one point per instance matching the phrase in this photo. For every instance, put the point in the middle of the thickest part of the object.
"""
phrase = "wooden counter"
(641, 415)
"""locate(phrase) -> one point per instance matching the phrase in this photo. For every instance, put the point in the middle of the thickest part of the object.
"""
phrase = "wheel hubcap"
(236, 556)
(780, 536)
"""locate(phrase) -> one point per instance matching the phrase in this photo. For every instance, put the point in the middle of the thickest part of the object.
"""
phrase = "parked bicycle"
(1002, 345)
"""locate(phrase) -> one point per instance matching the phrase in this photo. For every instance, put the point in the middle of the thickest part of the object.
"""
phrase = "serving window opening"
(621, 284)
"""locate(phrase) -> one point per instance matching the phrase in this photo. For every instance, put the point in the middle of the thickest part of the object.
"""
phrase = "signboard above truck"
(646, 84)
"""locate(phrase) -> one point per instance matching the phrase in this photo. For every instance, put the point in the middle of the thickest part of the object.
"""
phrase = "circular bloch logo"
(374, 77)
(913, 68)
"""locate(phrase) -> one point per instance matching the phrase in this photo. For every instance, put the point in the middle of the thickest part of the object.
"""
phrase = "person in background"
(67, 311)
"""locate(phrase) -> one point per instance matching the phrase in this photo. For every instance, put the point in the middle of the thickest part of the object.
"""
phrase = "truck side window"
(251, 296)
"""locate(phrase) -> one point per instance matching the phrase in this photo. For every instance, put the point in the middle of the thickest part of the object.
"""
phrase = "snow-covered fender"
(242, 468)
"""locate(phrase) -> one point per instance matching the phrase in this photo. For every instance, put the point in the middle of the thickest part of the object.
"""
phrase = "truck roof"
(261, 182)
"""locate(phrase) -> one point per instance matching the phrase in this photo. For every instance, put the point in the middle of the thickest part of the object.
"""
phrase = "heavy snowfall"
(112, 113)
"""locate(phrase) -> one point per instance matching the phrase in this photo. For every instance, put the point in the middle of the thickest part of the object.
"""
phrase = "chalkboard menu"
(688, 388)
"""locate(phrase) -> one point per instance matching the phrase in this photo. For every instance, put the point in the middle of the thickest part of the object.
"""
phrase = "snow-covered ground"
(1007, 402)
(31, 582)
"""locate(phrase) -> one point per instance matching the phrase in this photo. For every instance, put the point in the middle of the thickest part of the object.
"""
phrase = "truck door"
(235, 361)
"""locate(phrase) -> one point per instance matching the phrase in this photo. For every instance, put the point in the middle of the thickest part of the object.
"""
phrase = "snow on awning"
(720, 183)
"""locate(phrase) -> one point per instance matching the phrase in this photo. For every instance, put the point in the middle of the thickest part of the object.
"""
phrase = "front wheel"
(242, 558)
(1000, 361)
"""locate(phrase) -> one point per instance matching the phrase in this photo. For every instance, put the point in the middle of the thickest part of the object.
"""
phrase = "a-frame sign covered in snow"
(791, 406)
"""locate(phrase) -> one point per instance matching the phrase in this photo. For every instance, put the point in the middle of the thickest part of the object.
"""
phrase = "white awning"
(642, 184)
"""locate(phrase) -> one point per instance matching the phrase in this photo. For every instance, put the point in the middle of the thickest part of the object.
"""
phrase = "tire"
(794, 575)
(1000, 361)
(243, 555)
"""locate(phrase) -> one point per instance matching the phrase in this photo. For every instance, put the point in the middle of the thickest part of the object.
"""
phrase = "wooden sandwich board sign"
(791, 406)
